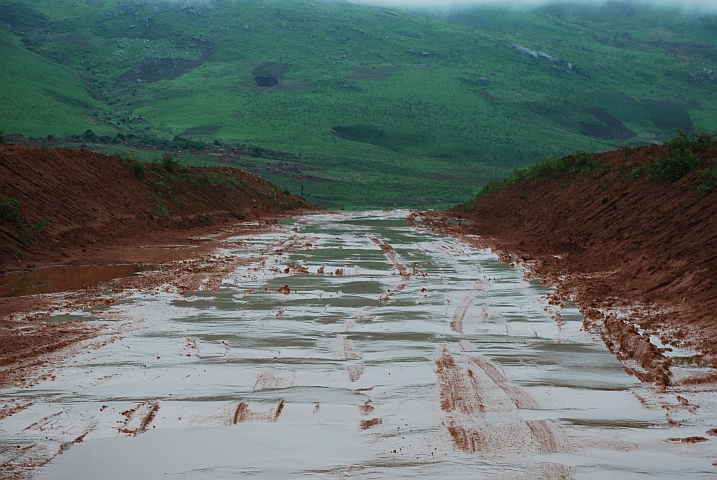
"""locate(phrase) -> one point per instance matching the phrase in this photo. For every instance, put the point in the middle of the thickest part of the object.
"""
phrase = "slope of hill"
(58, 205)
(629, 250)
(384, 106)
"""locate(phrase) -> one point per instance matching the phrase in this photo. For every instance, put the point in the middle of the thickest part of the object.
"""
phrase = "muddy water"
(412, 355)
(58, 279)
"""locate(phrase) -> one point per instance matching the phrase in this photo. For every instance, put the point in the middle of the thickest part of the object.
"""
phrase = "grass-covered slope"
(384, 106)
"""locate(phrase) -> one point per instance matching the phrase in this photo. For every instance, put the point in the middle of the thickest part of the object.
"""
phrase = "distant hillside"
(55, 202)
(383, 106)
(633, 228)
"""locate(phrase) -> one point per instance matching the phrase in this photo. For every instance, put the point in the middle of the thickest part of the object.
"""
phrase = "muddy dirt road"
(353, 346)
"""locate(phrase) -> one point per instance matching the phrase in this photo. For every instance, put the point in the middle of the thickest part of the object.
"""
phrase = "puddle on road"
(60, 279)
(426, 359)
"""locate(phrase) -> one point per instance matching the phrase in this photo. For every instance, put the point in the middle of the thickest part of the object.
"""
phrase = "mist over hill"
(372, 105)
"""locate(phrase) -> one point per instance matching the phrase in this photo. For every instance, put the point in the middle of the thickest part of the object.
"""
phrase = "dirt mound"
(74, 204)
(614, 238)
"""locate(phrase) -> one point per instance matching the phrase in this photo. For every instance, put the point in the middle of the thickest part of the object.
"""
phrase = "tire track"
(243, 414)
(482, 410)
(460, 314)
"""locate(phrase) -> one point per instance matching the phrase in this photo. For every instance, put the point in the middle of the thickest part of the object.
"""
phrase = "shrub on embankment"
(675, 159)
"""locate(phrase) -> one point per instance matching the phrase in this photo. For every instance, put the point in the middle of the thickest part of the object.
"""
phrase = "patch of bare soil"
(638, 258)
(94, 212)
(154, 69)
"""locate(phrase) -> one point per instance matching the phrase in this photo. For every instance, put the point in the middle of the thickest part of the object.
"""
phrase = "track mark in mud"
(366, 408)
(366, 424)
(460, 314)
(520, 397)
(149, 410)
(279, 409)
(343, 349)
(273, 379)
(688, 440)
(13, 407)
(392, 256)
(65, 446)
(469, 440)
(555, 471)
(190, 348)
(482, 408)
(543, 434)
(639, 356)
(355, 371)
(242, 414)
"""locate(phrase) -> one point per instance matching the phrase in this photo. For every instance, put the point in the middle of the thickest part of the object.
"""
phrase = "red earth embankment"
(612, 240)
(85, 208)
(78, 205)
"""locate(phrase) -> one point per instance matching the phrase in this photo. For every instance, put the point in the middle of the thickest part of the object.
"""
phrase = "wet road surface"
(354, 346)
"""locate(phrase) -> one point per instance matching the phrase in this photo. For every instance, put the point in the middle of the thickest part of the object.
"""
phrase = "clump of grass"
(10, 209)
(166, 164)
(680, 159)
(35, 231)
(580, 163)
(161, 211)
(708, 180)
(135, 167)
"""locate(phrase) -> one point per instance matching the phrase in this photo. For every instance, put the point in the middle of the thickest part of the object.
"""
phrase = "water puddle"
(60, 279)
(355, 346)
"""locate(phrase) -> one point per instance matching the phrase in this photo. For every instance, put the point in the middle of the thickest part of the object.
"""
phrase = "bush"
(161, 211)
(167, 164)
(680, 159)
(2, 137)
(10, 209)
(135, 167)
(580, 163)
(708, 180)
(672, 167)
(36, 229)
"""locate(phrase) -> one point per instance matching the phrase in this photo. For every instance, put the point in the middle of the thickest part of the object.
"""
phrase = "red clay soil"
(614, 241)
(100, 214)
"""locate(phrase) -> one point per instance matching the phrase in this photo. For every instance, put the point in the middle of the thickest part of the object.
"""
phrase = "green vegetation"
(379, 108)
(680, 159)
(161, 211)
(708, 180)
(10, 209)
(2, 137)
(36, 230)
(166, 164)
(580, 163)
(136, 167)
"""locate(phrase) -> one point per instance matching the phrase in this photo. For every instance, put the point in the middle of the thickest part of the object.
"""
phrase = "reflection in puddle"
(427, 358)
(60, 279)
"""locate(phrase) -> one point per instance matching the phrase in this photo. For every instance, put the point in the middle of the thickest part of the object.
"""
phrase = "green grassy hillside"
(383, 106)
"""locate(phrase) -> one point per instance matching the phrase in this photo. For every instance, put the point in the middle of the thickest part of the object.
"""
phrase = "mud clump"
(366, 424)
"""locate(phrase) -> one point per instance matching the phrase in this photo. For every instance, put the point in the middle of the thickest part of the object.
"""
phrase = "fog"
(685, 5)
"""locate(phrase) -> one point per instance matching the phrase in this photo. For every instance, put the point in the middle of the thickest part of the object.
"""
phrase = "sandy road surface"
(353, 346)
